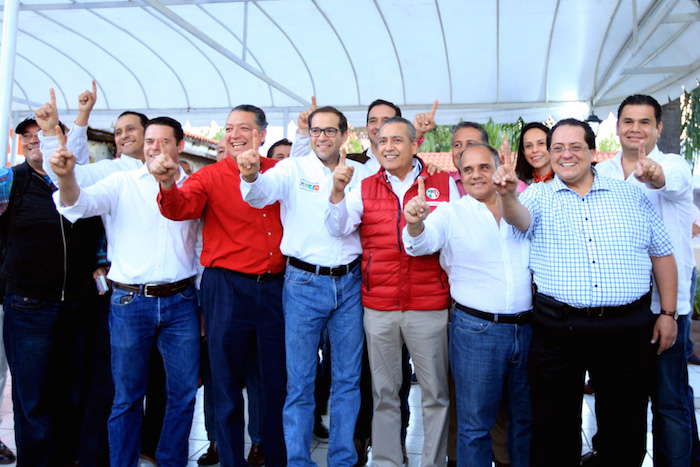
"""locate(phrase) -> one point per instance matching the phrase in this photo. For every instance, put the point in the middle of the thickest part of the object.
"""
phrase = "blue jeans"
(672, 404)
(43, 341)
(135, 321)
(312, 303)
(236, 311)
(489, 363)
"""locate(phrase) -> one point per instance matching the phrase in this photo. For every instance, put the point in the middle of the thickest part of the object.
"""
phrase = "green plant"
(511, 130)
(690, 125)
(438, 140)
(609, 144)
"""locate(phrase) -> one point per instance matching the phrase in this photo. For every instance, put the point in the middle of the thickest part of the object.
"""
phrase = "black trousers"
(615, 348)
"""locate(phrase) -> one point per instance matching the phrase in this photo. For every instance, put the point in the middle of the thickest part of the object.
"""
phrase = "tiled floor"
(414, 440)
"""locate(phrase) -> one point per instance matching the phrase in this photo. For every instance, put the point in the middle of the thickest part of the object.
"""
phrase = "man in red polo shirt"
(241, 286)
(405, 299)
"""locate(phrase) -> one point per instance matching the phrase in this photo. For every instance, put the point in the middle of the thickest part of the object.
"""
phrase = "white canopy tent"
(196, 59)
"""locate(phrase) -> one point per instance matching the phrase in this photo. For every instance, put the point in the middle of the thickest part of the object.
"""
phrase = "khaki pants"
(425, 335)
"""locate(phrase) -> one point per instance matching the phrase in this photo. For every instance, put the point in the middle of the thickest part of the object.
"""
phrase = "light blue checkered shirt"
(593, 250)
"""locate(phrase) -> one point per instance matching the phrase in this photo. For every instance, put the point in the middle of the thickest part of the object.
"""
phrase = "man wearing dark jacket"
(47, 271)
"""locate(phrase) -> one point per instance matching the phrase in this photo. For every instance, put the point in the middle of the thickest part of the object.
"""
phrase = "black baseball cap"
(22, 127)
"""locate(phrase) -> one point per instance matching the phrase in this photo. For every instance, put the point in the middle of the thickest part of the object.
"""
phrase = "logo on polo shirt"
(309, 186)
(432, 193)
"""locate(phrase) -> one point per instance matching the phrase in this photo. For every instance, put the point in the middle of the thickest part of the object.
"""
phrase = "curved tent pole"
(7, 72)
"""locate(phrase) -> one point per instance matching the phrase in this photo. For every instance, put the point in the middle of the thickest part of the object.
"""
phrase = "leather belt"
(519, 318)
(596, 311)
(338, 271)
(156, 290)
(265, 277)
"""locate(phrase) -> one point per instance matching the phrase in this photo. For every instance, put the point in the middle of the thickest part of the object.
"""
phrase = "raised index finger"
(641, 152)
(94, 89)
(343, 154)
(313, 103)
(434, 109)
(161, 145)
(421, 188)
(52, 95)
(60, 137)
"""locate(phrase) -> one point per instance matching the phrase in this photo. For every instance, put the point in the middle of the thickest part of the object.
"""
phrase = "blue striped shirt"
(593, 250)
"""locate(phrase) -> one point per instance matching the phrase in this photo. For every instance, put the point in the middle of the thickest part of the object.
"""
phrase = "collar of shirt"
(370, 154)
(401, 187)
(599, 183)
(318, 165)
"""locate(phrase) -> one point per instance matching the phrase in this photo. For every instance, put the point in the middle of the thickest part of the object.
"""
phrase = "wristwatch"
(673, 314)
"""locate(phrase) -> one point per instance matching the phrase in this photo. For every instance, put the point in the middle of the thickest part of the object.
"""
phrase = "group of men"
(374, 246)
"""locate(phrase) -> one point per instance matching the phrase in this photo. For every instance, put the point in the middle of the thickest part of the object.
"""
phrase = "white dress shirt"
(486, 265)
(346, 216)
(303, 185)
(674, 203)
(144, 246)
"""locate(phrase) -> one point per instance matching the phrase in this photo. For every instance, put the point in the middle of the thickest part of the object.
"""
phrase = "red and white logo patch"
(432, 193)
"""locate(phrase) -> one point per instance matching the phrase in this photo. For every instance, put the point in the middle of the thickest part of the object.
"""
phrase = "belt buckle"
(336, 272)
(145, 290)
(590, 311)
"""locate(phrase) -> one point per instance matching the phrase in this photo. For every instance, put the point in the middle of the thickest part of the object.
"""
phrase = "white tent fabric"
(196, 59)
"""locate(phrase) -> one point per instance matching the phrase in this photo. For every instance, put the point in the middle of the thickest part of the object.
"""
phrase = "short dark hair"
(282, 142)
(476, 126)
(589, 135)
(377, 102)
(494, 154)
(409, 125)
(141, 117)
(260, 119)
(343, 124)
(167, 121)
(641, 99)
(523, 169)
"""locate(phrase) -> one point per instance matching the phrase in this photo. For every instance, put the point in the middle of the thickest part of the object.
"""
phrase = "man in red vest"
(405, 298)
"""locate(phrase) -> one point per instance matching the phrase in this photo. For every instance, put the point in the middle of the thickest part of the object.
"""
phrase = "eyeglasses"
(30, 135)
(574, 149)
(330, 132)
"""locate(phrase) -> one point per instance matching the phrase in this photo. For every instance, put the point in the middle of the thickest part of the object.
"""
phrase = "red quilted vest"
(391, 279)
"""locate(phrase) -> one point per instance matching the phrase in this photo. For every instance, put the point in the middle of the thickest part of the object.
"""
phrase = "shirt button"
(595, 285)
(264, 215)
(593, 261)
(269, 233)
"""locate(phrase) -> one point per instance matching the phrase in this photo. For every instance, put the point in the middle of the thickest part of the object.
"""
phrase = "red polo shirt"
(236, 236)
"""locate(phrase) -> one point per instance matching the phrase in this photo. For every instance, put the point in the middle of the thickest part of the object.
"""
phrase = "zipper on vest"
(398, 220)
(366, 272)
(65, 262)
(65, 248)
